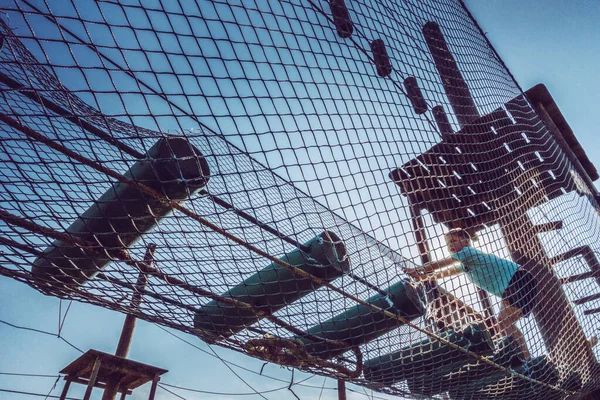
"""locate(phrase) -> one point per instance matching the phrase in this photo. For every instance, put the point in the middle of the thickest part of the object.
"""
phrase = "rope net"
(272, 177)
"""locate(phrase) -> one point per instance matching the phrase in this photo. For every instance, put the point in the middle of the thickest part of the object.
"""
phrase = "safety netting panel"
(354, 188)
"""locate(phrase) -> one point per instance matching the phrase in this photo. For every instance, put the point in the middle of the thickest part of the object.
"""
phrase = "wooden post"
(93, 376)
(136, 301)
(112, 385)
(153, 387)
(341, 389)
(65, 390)
(421, 239)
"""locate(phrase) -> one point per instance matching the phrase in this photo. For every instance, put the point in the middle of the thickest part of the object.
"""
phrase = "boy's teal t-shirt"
(487, 271)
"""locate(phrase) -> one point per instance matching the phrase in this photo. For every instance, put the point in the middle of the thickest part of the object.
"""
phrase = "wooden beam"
(93, 376)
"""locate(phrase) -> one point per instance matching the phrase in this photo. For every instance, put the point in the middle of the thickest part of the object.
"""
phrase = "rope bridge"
(263, 174)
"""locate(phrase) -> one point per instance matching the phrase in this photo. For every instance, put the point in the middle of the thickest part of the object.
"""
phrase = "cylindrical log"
(454, 84)
(341, 18)
(173, 167)
(415, 95)
(423, 357)
(503, 386)
(274, 287)
(360, 324)
(438, 380)
(381, 57)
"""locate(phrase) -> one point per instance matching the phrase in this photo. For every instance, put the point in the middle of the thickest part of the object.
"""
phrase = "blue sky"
(556, 45)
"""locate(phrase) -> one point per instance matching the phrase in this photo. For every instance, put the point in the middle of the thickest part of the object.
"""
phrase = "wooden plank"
(587, 299)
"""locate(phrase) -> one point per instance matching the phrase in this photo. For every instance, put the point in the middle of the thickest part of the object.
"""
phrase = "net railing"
(277, 178)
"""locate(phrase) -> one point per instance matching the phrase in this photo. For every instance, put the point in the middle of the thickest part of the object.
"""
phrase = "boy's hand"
(415, 273)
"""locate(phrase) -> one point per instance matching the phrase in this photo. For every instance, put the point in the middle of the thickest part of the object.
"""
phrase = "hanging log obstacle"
(381, 57)
(360, 324)
(274, 287)
(502, 386)
(430, 354)
(341, 18)
(415, 95)
(441, 379)
(115, 221)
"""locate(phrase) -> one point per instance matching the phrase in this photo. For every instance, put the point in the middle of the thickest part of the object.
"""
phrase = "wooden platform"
(95, 368)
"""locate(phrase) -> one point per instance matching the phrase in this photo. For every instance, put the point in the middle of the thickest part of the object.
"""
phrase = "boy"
(505, 279)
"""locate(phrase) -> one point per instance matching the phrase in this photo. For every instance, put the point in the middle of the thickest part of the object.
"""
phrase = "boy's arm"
(431, 269)
(433, 266)
(453, 270)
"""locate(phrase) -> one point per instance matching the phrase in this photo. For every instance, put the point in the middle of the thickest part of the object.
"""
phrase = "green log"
(274, 287)
(173, 167)
(427, 355)
(503, 386)
(360, 324)
(441, 379)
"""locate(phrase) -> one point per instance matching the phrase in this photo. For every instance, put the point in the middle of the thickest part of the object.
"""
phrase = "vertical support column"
(341, 389)
(112, 386)
(419, 227)
(136, 301)
(424, 254)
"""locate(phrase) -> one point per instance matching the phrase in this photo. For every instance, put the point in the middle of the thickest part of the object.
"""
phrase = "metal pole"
(112, 385)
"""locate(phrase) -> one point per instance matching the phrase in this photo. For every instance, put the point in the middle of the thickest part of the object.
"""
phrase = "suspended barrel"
(503, 386)
(360, 324)
(383, 65)
(341, 18)
(274, 287)
(438, 380)
(428, 355)
(173, 167)
(415, 95)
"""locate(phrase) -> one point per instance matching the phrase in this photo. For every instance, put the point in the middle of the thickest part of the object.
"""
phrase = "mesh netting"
(273, 177)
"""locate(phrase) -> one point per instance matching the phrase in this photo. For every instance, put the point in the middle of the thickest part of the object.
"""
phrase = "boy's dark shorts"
(521, 291)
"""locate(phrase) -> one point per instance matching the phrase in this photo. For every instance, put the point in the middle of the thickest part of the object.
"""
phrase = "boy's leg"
(507, 320)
